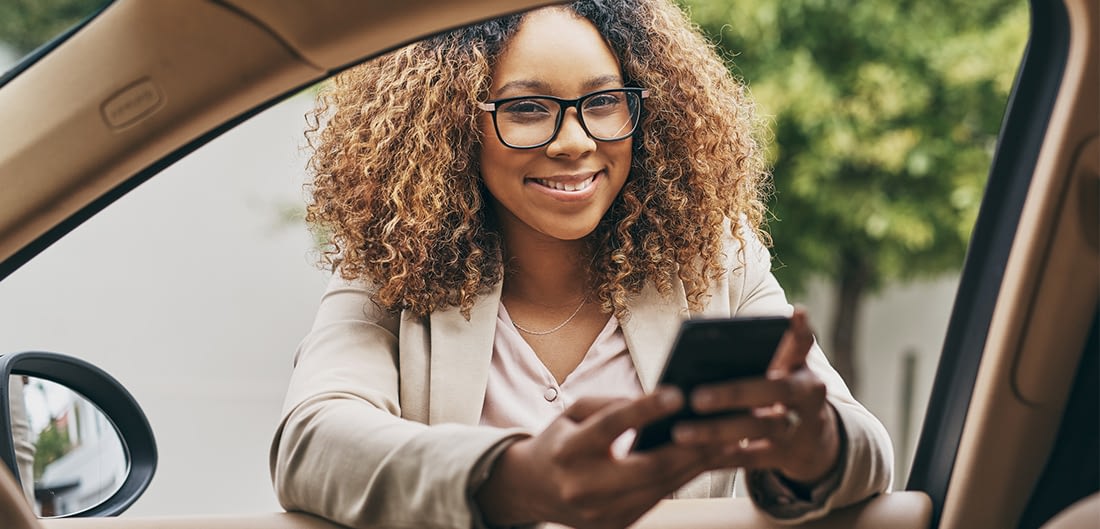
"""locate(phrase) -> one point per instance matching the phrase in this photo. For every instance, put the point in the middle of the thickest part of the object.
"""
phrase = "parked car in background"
(1010, 434)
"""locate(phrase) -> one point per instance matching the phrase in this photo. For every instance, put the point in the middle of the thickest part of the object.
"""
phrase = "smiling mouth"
(566, 186)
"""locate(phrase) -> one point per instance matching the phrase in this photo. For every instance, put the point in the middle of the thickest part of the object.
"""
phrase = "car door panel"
(254, 521)
(899, 510)
(1080, 515)
(1044, 309)
(1040, 378)
(902, 510)
(905, 510)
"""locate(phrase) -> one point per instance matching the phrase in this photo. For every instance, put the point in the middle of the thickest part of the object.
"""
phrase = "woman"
(521, 213)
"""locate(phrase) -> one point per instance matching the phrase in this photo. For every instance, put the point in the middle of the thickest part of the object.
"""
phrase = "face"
(563, 189)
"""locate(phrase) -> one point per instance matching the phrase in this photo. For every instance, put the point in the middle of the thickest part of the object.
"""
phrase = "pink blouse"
(521, 391)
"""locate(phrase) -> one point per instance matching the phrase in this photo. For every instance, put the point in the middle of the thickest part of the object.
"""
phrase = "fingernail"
(775, 374)
(684, 434)
(704, 398)
(670, 399)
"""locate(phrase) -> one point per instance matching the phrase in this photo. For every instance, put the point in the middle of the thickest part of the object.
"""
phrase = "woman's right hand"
(567, 474)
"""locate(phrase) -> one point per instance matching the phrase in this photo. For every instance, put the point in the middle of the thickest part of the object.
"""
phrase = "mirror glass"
(70, 456)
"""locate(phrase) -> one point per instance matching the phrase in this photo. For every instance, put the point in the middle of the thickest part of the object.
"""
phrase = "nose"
(572, 141)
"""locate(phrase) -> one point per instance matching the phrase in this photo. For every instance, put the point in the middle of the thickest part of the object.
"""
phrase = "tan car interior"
(128, 107)
(1045, 309)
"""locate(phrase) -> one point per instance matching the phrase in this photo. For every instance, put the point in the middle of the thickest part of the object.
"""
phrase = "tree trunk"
(854, 275)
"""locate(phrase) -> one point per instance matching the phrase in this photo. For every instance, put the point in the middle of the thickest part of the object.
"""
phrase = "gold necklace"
(555, 329)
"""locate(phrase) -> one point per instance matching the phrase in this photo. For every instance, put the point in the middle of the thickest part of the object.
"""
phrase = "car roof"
(144, 83)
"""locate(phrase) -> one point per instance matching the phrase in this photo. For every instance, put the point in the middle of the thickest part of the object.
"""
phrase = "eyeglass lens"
(531, 121)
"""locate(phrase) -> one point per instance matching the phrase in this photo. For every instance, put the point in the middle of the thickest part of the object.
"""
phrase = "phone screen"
(713, 350)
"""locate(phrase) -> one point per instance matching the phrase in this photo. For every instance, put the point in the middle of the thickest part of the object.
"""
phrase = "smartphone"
(713, 350)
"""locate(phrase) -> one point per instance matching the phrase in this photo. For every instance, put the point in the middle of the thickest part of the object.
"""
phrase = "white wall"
(193, 292)
(900, 319)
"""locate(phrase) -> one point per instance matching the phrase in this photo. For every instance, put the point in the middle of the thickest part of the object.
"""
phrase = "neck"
(544, 271)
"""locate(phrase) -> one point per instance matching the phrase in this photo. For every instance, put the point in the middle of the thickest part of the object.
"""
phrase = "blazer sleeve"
(342, 450)
(868, 460)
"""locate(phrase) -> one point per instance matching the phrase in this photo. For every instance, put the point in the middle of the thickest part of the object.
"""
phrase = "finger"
(602, 427)
(598, 485)
(759, 453)
(742, 454)
(640, 470)
(801, 388)
(754, 454)
(728, 430)
(805, 391)
(743, 394)
(803, 449)
(770, 453)
(795, 344)
(628, 506)
(632, 505)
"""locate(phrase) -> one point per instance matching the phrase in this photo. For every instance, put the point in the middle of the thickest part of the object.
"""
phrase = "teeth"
(563, 186)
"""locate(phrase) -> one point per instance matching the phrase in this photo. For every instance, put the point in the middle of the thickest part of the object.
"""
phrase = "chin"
(569, 233)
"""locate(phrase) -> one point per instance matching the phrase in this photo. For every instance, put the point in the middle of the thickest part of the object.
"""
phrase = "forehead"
(554, 49)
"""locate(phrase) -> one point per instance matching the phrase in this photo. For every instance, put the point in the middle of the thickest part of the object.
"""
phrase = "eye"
(607, 100)
(526, 108)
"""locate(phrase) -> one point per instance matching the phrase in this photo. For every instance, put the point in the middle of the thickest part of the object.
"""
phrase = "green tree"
(27, 24)
(53, 442)
(883, 115)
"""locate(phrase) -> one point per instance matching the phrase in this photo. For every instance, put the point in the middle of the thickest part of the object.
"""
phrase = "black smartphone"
(713, 350)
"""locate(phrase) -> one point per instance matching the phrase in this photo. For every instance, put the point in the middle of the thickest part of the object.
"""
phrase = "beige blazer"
(380, 425)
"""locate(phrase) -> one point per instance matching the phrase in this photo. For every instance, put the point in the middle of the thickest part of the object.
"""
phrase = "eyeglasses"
(529, 122)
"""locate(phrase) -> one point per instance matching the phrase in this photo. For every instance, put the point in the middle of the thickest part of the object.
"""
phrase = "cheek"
(492, 154)
(495, 164)
(623, 155)
(499, 167)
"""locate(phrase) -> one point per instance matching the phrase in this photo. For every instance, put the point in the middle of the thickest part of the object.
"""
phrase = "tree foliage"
(883, 115)
(27, 24)
(53, 442)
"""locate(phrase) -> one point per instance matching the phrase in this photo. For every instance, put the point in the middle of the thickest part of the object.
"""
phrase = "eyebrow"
(543, 88)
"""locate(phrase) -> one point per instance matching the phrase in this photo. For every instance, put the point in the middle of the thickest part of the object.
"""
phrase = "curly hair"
(396, 190)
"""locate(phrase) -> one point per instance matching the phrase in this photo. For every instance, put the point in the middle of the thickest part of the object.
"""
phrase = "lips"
(566, 186)
(567, 183)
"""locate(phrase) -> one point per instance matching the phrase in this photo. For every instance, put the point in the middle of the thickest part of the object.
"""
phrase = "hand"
(567, 474)
(804, 445)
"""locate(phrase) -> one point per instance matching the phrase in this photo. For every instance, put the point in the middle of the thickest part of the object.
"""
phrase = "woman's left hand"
(791, 427)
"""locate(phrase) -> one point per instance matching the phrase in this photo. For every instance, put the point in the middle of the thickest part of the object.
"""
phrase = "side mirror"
(73, 437)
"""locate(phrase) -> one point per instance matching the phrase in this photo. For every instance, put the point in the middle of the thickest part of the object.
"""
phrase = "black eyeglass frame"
(563, 104)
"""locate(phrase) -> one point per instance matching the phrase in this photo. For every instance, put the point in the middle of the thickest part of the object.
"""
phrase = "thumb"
(794, 346)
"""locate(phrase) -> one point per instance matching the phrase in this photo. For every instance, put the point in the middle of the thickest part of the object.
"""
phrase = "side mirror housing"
(73, 437)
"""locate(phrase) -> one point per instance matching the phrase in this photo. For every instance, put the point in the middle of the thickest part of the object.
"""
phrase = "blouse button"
(550, 394)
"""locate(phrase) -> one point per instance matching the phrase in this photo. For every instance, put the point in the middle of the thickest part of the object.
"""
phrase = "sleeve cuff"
(480, 474)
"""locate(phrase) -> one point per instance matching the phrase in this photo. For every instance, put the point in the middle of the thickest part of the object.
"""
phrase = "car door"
(1011, 434)
(1013, 389)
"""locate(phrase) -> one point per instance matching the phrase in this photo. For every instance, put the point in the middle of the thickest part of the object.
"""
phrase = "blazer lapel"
(461, 353)
(651, 328)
